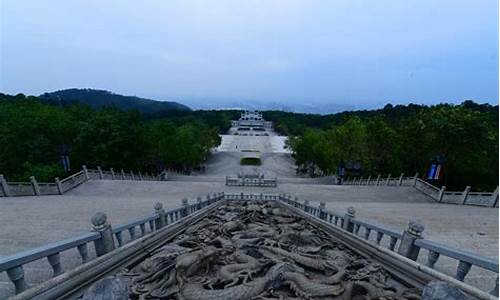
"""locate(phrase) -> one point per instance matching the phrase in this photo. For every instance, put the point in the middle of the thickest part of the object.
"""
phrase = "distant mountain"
(101, 98)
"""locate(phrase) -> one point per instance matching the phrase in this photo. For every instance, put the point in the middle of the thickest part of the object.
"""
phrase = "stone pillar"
(407, 247)
(368, 180)
(101, 176)
(322, 208)
(112, 174)
(465, 194)
(123, 174)
(401, 179)
(388, 179)
(132, 175)
(185, 210)
(140, 176)
(106, 243)
(59, 186)
(306, 204)
(378, 180)
(85, 172)
(198, 203)
(348, 224)
(415, 179)
(4, 186)
(441, 193)
(160, 212)
(16, 275)
(34, 184)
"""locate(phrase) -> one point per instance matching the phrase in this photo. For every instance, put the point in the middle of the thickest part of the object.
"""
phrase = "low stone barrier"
(104, 237)
(407, 243)
(465, 197)
(59, 187)
(259, 181)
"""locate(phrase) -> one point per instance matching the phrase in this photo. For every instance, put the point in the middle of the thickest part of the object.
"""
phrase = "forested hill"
(101, 98)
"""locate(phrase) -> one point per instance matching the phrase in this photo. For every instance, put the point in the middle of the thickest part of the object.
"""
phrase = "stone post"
(101, 176)
(123, 174)
(368, 180)
(132, 175)
(160, 222)
(415, 179)
(465, 194)
(322, 213)
(306, 204)
(494, 197)
(106, 243)
(16, 275)
(360, 180)
(59, 186)
(85, 172)
(34, 184)
(185, 204)
(198, 203)
(407, 247)
(348, 224)
(401, 179)
(441, 193)
(112, 174)
(140, 176)
(5, 186)
(388, 179)
(378, 180)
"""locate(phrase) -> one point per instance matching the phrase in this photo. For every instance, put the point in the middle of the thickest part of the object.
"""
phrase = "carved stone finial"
(99, 220)
(351, 211)
(322, 205)
(158, 206)
(184, 201)
(415, 227)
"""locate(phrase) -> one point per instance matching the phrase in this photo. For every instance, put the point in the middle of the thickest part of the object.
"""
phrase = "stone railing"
(59, 187)
(465, 197)
(104, 237)
(407, 243)
(259, 181)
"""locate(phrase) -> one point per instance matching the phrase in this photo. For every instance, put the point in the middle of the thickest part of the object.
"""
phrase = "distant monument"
(251, 121)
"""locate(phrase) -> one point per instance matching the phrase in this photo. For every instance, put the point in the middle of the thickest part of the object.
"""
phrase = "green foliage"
(32, 134)
(250, 161)
(404, 139)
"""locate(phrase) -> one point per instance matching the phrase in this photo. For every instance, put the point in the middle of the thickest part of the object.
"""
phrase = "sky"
(342, 53)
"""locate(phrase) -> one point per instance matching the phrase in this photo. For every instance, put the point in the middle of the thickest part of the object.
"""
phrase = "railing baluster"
(367, 233)
(462, 269)
(84, 253)
(151, 225)
(131, 231)
(432, 258)
(119, 238)
(143, 229)
(392, 243)
(16, 275)
(55, 263)
(380, 235)
(356, 228)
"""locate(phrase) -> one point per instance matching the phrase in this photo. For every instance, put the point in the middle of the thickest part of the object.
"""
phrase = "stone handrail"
(103, 237)
(440, 195)
(410, 241)
(249, 181)
(59, 187)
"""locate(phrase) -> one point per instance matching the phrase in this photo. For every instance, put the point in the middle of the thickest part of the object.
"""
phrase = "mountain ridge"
(103, 98)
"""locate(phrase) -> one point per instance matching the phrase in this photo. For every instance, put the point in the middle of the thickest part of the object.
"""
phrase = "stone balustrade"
(104, 237)
(59, 187)
(441, 195)
(408, 243)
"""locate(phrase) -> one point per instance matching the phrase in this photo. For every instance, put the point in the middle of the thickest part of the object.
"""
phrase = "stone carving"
(258, 250)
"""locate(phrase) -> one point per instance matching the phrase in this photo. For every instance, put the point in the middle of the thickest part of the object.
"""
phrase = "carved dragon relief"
(257, 250)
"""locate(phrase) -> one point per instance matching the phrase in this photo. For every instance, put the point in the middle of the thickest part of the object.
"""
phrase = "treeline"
(34, 136)
(408, 139)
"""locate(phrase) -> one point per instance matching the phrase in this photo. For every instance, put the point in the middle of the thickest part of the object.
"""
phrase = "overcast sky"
(353, 52)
